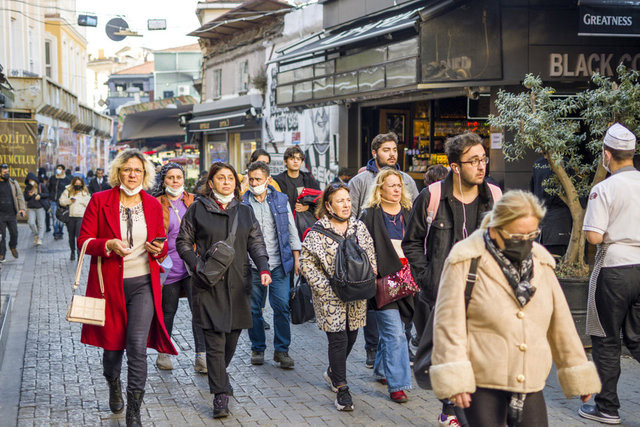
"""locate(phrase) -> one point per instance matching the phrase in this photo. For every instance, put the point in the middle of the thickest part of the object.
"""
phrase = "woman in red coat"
(121, 225)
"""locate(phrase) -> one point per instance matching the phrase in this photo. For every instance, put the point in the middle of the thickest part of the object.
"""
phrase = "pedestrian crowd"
(459, 262)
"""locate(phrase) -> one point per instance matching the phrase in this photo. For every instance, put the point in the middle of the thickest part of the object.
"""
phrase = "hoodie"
(32, 190)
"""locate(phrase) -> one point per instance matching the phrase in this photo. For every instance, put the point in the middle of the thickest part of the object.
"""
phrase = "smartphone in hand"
(159, 240)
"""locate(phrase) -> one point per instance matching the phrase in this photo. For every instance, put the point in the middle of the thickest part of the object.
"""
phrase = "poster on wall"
(19, 147)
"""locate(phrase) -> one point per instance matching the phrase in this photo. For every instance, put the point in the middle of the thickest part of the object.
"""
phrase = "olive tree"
(541, 122)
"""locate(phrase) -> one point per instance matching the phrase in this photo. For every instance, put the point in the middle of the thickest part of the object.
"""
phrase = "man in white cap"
(612, 222)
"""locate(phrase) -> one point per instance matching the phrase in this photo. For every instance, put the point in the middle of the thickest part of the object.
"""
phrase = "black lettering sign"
(19, 147)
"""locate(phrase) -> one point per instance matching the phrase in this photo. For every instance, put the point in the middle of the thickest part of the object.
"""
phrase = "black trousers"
(421, 313)
(489, 409)
(170, 300)
(140, 310)
(618, 303)
(73, 229)
(221, 347)
(8, 222)
(340, 345)
(371, 336)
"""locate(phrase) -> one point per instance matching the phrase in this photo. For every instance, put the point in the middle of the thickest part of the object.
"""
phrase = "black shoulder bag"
(422, 362)
(218, 258)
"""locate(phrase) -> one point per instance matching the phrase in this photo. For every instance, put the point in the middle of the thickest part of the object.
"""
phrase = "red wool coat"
(102, 222)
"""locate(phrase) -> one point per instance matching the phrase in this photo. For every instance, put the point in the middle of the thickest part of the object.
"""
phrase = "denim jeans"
(36, 222)
(392, 357)
(58, 227)
(279, 292)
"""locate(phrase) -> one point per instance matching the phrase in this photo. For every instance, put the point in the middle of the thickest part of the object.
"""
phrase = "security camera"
(472, 93)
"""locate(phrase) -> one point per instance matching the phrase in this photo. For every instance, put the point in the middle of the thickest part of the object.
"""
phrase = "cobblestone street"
(49, 378)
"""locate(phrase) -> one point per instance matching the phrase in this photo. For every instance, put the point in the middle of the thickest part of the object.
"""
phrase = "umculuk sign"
(617, 22)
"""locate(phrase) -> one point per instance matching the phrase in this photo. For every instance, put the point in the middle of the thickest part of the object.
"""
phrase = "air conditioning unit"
(184, 90)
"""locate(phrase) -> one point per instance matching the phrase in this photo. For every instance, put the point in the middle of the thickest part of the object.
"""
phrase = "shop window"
(286, 77)
(284, 94)
(48, 60)
(167, 94)
(324, 68)
(217, 83)
(371, 79)
(302, 91)
(363, 59)
(323, 88)
(403, 49)
(346, 83)
(217, 151)
(401, 73)
(243, 77)
(303, 73)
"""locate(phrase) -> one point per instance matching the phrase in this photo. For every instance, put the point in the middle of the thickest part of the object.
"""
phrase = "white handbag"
(82, 309)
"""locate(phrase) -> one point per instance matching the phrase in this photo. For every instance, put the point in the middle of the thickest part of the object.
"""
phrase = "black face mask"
(78, 187)
(336, 217)
(5, 176)
(517, 250)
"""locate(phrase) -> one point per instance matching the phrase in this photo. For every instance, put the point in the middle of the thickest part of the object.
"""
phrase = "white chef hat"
(619, 137)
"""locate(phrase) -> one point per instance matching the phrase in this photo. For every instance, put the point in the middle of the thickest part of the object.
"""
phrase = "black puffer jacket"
(225, 306)
(426, 269)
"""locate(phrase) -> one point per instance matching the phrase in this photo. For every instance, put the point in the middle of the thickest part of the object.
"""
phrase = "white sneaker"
(164, 362)
(448, 421)
(38, 242)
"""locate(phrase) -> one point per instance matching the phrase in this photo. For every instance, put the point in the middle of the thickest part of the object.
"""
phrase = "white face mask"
(59, 172)
(130, 192)
(174, 192)
(604, 165)
(222, 198)
(258, 190)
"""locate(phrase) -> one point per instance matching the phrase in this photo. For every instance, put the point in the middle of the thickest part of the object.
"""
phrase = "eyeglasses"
(517, 236)
(476, 162)
(127, 171)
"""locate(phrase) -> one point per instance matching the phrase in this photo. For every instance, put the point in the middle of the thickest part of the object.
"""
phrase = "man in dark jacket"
(293, 180)
(57, 184)
(272, 211)
(465, 197)
(99, 183)
(11, 204)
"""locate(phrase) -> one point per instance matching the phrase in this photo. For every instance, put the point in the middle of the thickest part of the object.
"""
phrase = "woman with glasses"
(493, 351)
(125, 234)
(76, 196)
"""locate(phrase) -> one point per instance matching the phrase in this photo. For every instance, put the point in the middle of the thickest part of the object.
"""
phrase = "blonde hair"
(513, 205)
(123, 157)
(374, 198)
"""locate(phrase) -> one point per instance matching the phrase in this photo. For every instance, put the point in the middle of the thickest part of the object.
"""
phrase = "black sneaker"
(221, 405)
(371, 359)
(344, 402)
(591, 412)
(286, 362)
(257, 357)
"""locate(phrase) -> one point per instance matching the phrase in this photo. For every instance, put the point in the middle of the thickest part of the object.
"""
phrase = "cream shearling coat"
(497, 344)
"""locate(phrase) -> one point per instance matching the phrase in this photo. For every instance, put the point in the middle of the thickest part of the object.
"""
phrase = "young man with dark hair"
(464, 198)
(384, 150)
(11, 204)
(99, 183)
(293, 180)
(57, 184)
(283, 247)
(611, 222)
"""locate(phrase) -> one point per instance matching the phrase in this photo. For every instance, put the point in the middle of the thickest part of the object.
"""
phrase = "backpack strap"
(471, 280)
(435, 191)
(327, 233)
(496, 192)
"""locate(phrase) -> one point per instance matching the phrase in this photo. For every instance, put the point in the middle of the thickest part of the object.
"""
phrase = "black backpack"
(353, 278)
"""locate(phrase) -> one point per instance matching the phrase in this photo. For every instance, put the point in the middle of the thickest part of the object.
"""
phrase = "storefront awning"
(326, 40)
(160, 123)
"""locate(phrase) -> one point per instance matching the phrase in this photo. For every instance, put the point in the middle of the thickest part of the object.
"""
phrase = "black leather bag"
(353, 278)
(301, 302)
(62, 214)
(218, 258)
(422, 363)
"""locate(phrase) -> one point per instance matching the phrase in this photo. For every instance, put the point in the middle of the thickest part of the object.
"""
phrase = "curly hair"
(123, 157)
(375, 198)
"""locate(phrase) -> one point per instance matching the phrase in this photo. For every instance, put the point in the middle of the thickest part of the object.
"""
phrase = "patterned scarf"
(519, 280)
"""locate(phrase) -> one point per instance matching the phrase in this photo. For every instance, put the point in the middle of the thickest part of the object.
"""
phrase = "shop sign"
(463, 44)
(19, 147)
(558, 63)
(611, 22)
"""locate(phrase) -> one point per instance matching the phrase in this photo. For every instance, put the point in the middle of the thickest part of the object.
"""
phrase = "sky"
(180, 15)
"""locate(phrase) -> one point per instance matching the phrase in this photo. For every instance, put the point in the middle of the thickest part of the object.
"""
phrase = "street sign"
(156, 24)
(87, 20)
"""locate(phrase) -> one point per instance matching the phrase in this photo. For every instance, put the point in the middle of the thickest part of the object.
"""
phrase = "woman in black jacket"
(386, 216)
(37, 198)
(223, 309)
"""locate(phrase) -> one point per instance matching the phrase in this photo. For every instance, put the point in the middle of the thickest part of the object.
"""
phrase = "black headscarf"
(159, 190)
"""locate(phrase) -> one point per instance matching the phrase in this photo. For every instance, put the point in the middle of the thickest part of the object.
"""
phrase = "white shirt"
(614, 211)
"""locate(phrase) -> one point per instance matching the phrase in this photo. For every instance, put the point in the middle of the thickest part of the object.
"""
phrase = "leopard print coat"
(317, 262)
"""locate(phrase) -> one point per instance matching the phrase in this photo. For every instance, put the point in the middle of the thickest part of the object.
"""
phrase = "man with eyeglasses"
(293, 180)
(465, 197)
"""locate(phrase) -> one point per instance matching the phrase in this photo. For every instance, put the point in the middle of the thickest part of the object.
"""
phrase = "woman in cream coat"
(496, 355)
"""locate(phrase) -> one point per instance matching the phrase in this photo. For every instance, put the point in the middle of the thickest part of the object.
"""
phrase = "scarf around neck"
(519, 280)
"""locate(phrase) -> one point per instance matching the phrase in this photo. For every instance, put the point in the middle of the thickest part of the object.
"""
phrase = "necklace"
(393, 219)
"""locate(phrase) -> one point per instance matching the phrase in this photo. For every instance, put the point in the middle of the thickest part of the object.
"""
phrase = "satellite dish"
(114, 26)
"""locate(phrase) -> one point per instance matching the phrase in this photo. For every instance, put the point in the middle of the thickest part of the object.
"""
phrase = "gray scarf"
(519, 280)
